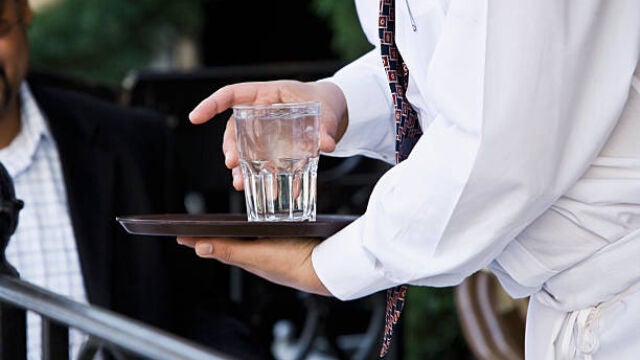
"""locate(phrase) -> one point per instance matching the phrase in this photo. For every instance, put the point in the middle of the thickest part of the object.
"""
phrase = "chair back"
(492, 323)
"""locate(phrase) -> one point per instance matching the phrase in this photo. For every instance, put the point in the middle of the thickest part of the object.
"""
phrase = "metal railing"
(114, 333)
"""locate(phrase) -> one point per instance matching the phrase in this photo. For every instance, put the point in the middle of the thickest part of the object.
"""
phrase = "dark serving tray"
(230, 225)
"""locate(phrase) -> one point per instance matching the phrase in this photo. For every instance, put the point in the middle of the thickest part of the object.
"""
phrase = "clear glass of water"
(279, 151)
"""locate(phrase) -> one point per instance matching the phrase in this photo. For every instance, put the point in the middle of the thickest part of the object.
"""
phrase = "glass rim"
(290, 105)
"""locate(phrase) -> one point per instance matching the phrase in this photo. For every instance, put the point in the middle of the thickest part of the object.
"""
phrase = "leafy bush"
(102, 40)
(348, 39)
(431, 327)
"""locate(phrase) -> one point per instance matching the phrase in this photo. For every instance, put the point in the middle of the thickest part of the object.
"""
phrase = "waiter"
(529, 164)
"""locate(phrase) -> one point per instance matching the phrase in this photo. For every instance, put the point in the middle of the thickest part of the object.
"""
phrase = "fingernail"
(204, 249)
(226, 157)
(179, 240)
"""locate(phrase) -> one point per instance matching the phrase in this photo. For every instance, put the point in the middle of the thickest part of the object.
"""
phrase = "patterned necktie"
(407, 134)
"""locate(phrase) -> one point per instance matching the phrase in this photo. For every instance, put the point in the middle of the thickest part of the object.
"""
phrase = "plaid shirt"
(43, 248)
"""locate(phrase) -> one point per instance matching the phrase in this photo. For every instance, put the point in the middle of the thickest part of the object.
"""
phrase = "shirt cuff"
(346, 268)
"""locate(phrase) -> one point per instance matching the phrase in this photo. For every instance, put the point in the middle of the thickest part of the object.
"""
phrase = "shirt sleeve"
(371, 130)
(527, 93)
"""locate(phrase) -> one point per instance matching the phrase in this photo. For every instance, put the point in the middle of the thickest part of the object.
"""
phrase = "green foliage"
(431, 327)
(102, 40)
(348, 39)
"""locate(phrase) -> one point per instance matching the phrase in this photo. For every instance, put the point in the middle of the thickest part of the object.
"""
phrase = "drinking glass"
(278, 146)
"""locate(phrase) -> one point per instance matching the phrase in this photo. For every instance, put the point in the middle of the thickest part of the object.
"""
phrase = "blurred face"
(15, 15)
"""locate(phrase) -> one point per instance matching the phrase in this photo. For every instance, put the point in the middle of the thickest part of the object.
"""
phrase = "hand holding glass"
(278, 146)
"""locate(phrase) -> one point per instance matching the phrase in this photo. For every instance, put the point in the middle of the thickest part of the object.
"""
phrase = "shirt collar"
(19, 155)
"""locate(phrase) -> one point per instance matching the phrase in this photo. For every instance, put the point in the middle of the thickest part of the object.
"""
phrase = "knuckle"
(226, 255)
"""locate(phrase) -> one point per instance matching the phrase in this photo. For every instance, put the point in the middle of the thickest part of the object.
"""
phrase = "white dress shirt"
(529, 163)
(43, 248)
